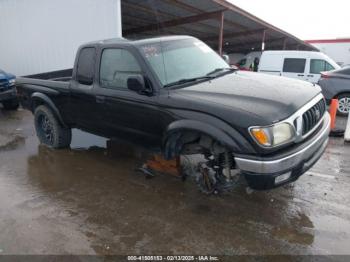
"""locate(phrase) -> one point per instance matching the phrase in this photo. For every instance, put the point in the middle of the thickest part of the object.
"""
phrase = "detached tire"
(49, 130)
(344, 104)
(11, 104)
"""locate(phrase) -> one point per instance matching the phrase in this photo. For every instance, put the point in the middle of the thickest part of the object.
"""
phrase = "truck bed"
(57, 80)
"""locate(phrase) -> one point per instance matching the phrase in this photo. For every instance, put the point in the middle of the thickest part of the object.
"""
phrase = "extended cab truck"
(179, 92)
(8, 96)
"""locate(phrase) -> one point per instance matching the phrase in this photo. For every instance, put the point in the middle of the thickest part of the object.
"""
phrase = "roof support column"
(221, 33)
(263, 41)
(284, 44)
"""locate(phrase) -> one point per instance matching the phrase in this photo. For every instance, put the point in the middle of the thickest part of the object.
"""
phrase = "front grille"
(313, 116)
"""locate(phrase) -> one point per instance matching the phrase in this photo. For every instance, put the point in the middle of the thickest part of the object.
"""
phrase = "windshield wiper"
(188, 80)
(223, 69)
(208, 76)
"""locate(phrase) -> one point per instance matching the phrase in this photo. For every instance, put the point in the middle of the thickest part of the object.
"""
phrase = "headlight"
(12, 82)
(273, 135)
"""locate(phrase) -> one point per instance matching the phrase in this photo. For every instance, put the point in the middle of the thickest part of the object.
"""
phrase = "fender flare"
(170, 147)
(37, 96)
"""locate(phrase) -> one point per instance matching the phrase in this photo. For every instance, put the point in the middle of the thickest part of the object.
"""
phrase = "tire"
(49, 130)
(11, 104)
(344, 104)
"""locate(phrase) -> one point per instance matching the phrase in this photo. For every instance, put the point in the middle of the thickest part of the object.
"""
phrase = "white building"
(43, 35)
(337, 49)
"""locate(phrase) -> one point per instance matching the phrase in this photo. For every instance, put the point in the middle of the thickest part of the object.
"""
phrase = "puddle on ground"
(90, 199)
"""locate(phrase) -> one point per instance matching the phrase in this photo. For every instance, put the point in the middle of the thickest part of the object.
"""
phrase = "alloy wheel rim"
(46, 129)
(344, 105)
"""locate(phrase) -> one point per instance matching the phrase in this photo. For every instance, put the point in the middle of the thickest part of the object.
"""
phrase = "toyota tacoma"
(179, 92)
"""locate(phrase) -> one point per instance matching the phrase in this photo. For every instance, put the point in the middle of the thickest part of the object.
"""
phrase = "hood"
(271, 98)
(4, 75)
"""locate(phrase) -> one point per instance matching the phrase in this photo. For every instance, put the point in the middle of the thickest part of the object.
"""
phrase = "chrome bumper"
(312, 151)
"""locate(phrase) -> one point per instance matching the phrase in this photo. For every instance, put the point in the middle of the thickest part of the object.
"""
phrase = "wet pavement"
(90, 200)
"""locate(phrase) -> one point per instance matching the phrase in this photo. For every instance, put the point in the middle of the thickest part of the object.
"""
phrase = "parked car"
(303, 65)
(336, 84)
(8, 96)
(180, 93)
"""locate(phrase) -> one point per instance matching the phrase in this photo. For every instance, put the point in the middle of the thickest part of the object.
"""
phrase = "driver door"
(125, 111)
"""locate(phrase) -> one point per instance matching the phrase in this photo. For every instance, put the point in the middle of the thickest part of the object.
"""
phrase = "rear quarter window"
(86, 64)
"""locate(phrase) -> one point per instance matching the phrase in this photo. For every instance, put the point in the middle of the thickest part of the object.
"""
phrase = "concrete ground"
(90, 200)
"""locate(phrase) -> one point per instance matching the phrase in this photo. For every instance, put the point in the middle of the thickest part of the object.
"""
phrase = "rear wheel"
(49, 130)
(344, 104)
(11, 104)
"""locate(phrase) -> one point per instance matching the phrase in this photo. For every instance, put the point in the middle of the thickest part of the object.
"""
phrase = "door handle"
(310, 75)
(300, 75)
(100, 99)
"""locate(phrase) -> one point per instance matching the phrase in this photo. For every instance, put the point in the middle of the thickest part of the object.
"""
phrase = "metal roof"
(242, 31)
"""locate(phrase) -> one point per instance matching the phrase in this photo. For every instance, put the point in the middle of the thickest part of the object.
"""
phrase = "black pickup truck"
(180, 93)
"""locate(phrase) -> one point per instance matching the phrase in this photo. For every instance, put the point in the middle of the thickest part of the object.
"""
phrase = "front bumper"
(8, 94)
(261, 173)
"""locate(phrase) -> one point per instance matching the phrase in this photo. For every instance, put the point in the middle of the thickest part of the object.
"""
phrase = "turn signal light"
(261, 136)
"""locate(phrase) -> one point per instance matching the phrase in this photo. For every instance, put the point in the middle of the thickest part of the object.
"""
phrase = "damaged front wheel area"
(218, 174)
(211, 163)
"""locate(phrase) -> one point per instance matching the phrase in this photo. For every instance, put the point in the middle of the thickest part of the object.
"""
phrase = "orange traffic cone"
(333, 113)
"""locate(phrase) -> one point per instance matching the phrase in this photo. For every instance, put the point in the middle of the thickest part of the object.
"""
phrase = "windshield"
(176, 60)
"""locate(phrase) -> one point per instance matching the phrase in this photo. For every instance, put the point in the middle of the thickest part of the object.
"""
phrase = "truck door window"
(294, 65)
(86, 64)
(117, 65)
(319, 65)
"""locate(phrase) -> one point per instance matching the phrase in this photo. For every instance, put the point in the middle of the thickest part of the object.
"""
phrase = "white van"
(303, 65)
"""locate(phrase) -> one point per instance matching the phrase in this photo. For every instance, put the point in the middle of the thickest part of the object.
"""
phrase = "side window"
(329, 67)
(117, 65)
(319, 65)
(86, 64)
(294, 65)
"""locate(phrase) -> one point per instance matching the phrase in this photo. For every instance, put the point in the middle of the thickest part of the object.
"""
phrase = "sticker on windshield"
(203, 47)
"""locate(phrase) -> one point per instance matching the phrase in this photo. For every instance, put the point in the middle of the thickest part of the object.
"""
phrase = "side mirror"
(226, 58)
(137, 84)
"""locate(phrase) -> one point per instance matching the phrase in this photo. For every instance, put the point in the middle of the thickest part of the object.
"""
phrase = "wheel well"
(342, 93)
(190, 142)
(39, 102)
(36, 103)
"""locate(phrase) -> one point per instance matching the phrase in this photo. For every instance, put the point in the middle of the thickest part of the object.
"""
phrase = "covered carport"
(220, 24)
